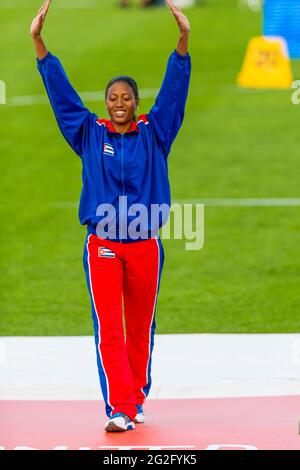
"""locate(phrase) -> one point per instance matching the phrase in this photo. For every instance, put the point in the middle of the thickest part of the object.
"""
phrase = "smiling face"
(121, 103)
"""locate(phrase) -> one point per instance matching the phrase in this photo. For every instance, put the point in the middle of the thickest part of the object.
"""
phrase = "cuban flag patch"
(105, 252)
(108, 150)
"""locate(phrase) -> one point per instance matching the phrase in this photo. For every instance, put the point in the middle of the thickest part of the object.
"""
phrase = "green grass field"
(234, 144)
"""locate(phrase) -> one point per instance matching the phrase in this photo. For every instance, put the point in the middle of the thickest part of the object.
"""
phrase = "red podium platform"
(195, 424)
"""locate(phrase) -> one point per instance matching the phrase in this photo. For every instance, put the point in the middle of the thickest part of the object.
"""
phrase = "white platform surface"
(184, 366)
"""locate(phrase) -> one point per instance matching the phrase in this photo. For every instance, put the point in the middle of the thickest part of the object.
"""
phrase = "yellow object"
(266, 64)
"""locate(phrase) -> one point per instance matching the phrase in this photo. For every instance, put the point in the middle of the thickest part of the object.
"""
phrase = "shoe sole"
(139, 422)
(113, 427)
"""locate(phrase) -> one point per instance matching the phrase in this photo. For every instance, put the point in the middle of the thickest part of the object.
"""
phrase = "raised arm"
(184, 28)
(36, 30)
(167, 113)
(72, 117)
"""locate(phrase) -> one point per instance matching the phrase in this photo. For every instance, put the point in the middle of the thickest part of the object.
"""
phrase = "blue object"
(282, 18)
(133, 164)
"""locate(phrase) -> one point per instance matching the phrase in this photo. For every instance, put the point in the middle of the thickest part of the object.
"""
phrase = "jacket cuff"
(44, 59)
(179, 57)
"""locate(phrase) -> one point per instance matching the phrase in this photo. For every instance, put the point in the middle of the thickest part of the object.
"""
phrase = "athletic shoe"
(119, 422)
(140, 417)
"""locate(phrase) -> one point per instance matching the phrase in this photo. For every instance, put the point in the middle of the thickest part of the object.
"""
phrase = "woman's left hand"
(180, 18)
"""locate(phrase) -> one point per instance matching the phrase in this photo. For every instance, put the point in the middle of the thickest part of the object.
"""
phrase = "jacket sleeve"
(167, 114)
(72, 116)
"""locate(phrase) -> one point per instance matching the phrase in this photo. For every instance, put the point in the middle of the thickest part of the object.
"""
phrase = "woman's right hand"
(38, 21)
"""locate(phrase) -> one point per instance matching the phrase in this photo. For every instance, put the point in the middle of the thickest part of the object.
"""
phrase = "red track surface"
(261, 422)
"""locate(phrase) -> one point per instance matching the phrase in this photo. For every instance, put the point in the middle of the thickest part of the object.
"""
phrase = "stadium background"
(234, 144)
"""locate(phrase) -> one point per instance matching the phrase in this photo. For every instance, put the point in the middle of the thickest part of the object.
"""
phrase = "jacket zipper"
(122, 165)
(122, 168)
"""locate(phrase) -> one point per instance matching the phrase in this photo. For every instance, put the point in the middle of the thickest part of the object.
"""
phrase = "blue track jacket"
(133, 164)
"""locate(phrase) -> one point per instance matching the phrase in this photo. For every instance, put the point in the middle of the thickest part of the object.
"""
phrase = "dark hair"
(124, 78)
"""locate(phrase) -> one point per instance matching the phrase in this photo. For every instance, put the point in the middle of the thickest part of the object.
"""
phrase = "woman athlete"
(124, 173)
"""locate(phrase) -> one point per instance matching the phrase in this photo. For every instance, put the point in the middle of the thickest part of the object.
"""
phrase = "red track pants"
(123, 275)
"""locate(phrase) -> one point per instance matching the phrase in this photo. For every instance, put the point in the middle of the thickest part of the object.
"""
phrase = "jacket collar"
(110, 127)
